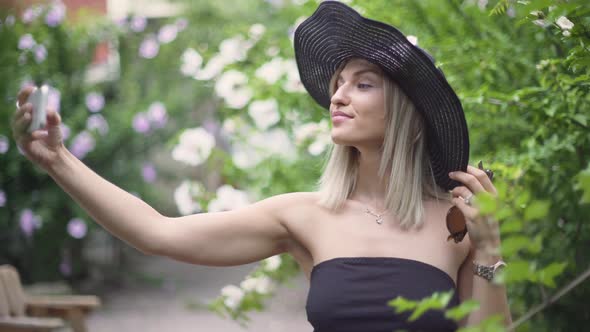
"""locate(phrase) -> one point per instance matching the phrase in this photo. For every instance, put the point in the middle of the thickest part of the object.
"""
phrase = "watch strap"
(487, 272)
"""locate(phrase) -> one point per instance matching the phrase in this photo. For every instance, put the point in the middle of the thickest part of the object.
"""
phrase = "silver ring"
(468, 200)
(17, 105)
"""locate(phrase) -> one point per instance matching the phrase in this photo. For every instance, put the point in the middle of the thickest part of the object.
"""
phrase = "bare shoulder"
(294, 205)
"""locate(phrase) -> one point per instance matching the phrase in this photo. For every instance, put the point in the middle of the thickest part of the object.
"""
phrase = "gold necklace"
(379, 217)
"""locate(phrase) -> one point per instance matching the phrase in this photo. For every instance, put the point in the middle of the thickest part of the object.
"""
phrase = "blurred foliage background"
(203, 111)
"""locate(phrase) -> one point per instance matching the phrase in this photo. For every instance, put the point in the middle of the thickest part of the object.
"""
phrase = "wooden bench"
(51, 310)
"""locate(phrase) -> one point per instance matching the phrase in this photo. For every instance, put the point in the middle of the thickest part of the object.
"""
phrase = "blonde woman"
(376, 227)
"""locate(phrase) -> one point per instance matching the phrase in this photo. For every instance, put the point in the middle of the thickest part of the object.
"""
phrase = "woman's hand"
(484, 231)
(41, 146)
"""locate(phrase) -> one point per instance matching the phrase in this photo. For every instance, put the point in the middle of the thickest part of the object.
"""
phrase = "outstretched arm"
(222, 238)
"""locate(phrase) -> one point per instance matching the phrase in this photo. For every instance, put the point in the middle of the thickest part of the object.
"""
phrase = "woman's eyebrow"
(362, 71)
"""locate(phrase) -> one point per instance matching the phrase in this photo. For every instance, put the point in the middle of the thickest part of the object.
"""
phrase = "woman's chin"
(340, 139)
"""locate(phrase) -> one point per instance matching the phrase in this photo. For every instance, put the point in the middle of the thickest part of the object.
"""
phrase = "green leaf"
(536, 210)
(547, 274)
(517, 271)
(438, 300)
(536, 245)
(402, 304)
(487, 203)
(513, 244)
(581, 118)
(584, 185)
(465, 308)
(510, 226)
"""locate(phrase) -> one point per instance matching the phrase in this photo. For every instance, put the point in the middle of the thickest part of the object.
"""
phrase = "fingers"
(461, 191)
(469, 179)
(483, 178)
(21, 123)
(23, 95)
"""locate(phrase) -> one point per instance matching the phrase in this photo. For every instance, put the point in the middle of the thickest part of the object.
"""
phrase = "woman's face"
(359, 95)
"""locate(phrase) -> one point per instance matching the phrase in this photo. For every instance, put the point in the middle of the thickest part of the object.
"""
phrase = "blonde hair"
(404, 157)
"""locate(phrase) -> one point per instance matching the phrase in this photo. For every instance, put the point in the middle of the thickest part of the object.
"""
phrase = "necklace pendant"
(379, 220)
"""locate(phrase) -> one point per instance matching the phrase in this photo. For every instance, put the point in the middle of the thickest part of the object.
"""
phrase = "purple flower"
(149, 48)
(82, 144)
(65, 267)
(30, 14)
(26, 42)
(65, 131)
(77, 228)
(141, 124)
(210, 126)
(181, 23)
(94, 102)
(97, 121)
(167, 33)
(149, 172)
(138, 23)
(2, 198)
(29, 222)
(56, 14)
(120, 22)
(157, 114)
(40, 53)
(4, 144)
(53, 99)
(9, 21)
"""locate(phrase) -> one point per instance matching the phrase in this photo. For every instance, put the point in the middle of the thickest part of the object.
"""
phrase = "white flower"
(265, 113)
(319, 145)
(271, 71)
(274, 142)
(564, 23)
(228, 198)
(183, 197)
(566, 33)
(194, 147)
(413, 39)
(191, 62)
(272, 263)
(213, 67)
(229, 125)
(234, 49)
(245, 156)
(309, 130)
(293, 83)
(231, 86)
(233, 296)
(305, 131)
(256, 31)
(262, 285)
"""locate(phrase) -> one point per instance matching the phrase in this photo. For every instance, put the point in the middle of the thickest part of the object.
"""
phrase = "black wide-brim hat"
(335, 33)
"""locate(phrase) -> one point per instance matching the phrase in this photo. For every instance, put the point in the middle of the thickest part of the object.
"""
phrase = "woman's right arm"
(224, 238)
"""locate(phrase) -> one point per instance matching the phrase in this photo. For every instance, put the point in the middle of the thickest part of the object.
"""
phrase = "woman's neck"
(370, 189)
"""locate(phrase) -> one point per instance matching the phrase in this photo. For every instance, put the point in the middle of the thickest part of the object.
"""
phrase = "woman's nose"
(340, 97)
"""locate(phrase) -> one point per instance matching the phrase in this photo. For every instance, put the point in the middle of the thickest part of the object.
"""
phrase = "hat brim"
(335, 33)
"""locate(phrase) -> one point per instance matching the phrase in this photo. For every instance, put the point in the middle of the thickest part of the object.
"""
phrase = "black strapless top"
(350, 294)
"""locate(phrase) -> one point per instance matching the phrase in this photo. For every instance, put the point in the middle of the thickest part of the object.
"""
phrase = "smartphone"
(38, 98)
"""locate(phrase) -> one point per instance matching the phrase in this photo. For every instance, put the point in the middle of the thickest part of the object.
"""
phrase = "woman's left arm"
(484, 236)
(491, 296)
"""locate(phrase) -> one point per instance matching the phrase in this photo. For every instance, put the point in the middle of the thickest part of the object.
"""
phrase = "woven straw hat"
(335, 33)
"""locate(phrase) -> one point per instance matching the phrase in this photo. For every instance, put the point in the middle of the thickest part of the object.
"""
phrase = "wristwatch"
(487, 272)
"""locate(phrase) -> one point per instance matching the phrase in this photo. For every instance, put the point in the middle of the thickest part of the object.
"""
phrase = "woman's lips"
(339, 118)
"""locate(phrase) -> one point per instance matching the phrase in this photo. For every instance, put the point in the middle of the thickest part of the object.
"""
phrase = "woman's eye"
(364, 86)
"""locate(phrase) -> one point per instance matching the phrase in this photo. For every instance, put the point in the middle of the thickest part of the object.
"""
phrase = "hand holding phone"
(38, 98)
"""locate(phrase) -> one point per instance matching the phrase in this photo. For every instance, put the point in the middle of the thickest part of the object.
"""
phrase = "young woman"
(375, 228)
